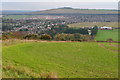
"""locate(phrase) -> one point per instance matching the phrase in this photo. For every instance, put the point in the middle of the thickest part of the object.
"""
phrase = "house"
(106, 28)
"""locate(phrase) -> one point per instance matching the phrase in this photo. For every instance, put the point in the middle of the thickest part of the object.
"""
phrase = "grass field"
(18, 16)
(60, 59)
(0, 60)
(91, 24)
(103, 35)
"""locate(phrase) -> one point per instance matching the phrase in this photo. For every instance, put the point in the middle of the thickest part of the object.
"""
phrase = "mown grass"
(103, 35)
(92, 24)
(64, 60)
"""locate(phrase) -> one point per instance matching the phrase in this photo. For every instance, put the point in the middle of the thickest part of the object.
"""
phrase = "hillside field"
(74, 11)
(60, 59)
(92, 24)
(18, 16)
(103, 35)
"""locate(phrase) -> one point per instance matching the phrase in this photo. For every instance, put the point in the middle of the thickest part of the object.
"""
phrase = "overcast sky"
(47, 4)
(60, 0)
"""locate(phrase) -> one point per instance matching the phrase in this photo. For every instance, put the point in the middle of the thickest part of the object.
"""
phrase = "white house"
(106, 28)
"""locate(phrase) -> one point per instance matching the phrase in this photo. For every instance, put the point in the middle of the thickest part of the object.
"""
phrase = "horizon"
(58, 8)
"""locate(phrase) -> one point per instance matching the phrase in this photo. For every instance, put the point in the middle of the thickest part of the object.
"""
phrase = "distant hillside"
(15, 11)
(68, 10)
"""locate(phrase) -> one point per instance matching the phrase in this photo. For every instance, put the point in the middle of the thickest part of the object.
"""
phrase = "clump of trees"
(94, 30)
(7, 36)
(31, 36)
(63, 34)
(71, 37)
(45, 37)
(38, 37)
(16, 35)
(64, 37)
(79, 30)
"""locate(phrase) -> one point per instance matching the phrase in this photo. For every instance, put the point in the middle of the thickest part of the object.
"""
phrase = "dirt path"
(102, 45)
(113, 45)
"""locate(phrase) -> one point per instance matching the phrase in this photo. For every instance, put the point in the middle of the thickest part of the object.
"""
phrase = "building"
(106, 28)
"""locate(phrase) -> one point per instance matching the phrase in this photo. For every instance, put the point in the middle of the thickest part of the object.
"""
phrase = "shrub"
(45, 37)
(109, 39)
(68, 37)
(77, 37)
(31, 36)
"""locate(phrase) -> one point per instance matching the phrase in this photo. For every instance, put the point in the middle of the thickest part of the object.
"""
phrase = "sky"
(47, 4)
(60, 0)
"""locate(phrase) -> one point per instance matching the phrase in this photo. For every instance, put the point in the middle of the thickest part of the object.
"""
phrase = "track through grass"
(66, 60)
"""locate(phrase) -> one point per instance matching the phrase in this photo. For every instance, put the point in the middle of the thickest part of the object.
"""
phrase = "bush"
(5, 36)
(60, 37)
(68, 37)
(94, 30)
(109, 39)
(77, 37)
(45, 37)
(31, 36)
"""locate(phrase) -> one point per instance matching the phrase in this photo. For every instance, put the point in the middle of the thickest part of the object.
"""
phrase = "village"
(51, 25)
(40, 23)
(32, 25)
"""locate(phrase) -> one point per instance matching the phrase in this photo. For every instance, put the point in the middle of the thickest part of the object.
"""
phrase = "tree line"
(62, 32)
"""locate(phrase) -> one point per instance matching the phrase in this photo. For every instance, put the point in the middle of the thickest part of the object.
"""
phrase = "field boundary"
(102, 45)
(57, 41)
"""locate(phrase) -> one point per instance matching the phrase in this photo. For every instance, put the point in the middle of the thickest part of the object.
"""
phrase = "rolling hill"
(61, 59)
(65, 10)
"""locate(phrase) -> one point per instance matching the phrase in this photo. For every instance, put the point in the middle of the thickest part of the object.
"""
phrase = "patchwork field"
(60, 59)
(103, 35)
(91, 24)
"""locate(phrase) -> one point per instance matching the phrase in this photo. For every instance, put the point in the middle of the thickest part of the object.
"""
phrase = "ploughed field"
(60, 59)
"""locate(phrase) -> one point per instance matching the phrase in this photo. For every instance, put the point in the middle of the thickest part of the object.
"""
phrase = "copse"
(79, 30)
(31, 36)
(94, 30)
(7, 36)
(71, 37)
(45, 37)
(77, 37)
(61, 37)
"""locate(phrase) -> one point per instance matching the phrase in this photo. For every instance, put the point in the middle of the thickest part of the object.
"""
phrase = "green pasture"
(103, 35)
(92, 24)
(61, 59)
(18, 16)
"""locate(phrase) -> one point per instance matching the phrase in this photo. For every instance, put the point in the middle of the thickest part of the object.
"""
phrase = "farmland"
(91, 24)
(61, 59)
(54, 43)
(103, 35)
(18, 16)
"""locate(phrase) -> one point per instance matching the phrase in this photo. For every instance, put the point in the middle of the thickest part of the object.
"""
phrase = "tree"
(94, 30)
(77, 36)
(45, 37)
(31, 36)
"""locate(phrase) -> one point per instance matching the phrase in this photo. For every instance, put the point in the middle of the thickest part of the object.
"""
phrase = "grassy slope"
(72, 11)
(91, 24)
(105, 34)
(66, 59)
(0, 59)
